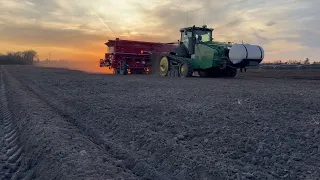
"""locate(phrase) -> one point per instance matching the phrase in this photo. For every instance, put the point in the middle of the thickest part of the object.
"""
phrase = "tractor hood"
(240, 55)
(215, 44)
(220, 47)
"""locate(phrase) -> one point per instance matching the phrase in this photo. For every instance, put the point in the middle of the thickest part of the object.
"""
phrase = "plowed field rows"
(75, 125)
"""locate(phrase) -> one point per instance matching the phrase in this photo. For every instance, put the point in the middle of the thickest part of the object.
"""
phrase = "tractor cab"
(190, 36)
(200, 34)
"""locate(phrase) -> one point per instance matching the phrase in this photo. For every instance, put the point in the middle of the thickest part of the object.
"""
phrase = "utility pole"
(187, 17)
(49, 56)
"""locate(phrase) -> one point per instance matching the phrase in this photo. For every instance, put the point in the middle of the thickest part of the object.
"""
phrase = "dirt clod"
(249, 175)
(180, 137)
(83, 152)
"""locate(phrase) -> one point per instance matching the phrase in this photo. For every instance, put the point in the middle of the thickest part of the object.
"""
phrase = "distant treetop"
(27, 57)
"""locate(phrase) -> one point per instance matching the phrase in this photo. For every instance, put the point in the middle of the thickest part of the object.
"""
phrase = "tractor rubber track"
(180, 60)
(11, 164)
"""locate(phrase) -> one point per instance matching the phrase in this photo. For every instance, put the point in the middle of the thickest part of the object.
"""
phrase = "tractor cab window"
(110, 49)
(202, 36)
(185, 37)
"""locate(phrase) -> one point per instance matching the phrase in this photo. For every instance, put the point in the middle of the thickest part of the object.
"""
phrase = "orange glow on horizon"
(86, 66)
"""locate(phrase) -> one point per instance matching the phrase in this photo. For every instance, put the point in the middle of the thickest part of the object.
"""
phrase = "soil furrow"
(12, 164)
(129, 160)
(56, 148)
(242, 128)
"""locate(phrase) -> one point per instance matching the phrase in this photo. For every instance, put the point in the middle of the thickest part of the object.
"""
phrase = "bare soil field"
(283, 74)
(75, 125)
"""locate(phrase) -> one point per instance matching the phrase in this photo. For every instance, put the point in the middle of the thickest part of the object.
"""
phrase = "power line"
(105, 25)
(179, 5)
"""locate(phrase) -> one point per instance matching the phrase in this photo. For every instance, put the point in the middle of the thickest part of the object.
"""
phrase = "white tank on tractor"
(240, 52)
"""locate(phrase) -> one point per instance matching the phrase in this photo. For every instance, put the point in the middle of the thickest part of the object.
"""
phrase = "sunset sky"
(78, 29)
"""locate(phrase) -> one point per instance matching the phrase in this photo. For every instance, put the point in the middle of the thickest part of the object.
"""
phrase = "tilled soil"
(13, 165)
(55, 148)
(76, 125)
(311, 74)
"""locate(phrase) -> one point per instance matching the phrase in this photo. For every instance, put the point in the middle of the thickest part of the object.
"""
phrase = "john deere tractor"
(197, 51)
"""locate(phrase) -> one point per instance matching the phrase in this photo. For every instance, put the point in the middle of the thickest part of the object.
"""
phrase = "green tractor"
(197, 51)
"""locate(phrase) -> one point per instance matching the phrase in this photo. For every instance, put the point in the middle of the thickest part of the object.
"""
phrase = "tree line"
(27, 57)
(293, 62)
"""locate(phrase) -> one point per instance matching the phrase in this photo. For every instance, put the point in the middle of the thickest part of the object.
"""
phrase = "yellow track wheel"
(183, 70)
(164, 66)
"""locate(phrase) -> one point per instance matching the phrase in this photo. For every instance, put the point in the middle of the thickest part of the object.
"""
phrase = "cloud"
(10, 5)
(278, 26)
(271, 23)
(29, 3)
(35, 34)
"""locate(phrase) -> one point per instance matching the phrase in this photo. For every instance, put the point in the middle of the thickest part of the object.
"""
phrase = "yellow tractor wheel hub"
(164, 66)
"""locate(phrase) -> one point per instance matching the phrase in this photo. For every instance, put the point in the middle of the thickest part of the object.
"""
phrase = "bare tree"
(27, 57)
